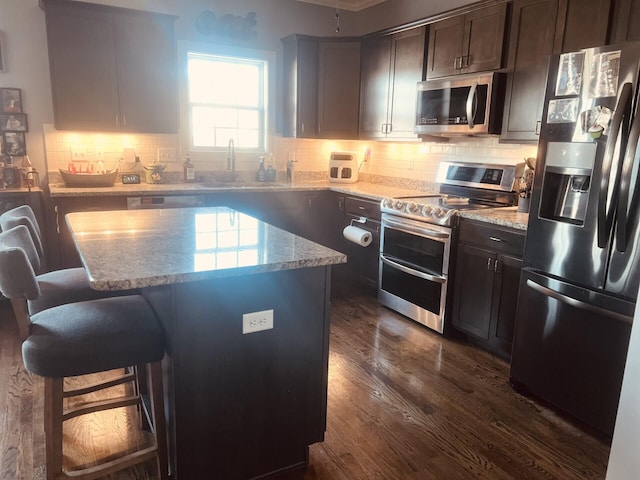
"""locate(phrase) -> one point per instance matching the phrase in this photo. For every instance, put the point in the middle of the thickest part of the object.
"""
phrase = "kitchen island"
(240, 405)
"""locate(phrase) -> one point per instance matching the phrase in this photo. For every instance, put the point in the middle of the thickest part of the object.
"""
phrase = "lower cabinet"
(487, 276)
(363, 262)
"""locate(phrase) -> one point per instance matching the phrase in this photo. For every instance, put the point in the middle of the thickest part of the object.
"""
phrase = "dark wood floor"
(404, 403)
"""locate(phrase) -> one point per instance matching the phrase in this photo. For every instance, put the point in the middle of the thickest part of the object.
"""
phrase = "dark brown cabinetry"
(112, 69)
(467, 43)
(391, 65)
(362, 262)
(538, 29)
(487, 276)
(321, 87)
(626, 22)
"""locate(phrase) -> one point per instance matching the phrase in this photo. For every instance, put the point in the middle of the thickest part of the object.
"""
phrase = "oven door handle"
(423, 232)
(411, 271)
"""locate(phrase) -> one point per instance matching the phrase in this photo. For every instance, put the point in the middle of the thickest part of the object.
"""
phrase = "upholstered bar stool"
(78, 339)
(57, 287)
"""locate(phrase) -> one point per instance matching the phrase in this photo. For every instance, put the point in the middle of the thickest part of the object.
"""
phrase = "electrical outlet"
(257, 321)
(167, 154)
(78, 153)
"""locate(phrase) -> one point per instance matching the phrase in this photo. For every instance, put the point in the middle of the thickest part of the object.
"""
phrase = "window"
(227, 99)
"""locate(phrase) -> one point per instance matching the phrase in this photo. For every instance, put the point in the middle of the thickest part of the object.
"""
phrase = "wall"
(27, 62)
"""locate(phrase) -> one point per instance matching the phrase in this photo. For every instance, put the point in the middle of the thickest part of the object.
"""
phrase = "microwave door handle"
(561, 297)
(472, 104)
(411, 271)
(625, 212)
(605, 218)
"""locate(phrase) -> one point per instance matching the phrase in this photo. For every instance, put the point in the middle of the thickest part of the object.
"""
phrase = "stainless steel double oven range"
(416, 240)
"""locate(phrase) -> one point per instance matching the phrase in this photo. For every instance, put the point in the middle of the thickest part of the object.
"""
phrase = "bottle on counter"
(271, 169)
(262, 172)
(189, 170)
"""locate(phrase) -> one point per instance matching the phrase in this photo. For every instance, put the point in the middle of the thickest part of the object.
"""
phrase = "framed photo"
(13, 122)
(11, 99)
(14, 143)
(3, 66)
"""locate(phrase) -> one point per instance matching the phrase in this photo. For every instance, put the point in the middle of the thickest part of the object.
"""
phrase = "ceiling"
(353, 5)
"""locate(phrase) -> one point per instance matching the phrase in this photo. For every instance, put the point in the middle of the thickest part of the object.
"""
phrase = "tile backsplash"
(416, 161)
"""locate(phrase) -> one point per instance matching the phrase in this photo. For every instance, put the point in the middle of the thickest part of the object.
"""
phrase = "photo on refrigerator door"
(570, 74)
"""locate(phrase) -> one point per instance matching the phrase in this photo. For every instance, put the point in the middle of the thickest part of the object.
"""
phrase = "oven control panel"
(427, 210)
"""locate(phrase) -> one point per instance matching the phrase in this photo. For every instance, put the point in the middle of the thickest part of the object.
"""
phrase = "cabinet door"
(408, 61)
(473, 290)
(375, 84)
(505, 300)
(146, 62)
(445, 46)
(364, 261)
(300, 97)
(627, 21)
(83, 68)
(483, 39)
(531, 43)
(338, 89)
(581, 24)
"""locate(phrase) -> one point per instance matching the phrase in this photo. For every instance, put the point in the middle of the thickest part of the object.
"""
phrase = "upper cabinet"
(112, 69)
(467, 43)
(540, 28)
(627, 21)
(391, 66)
(321, 87)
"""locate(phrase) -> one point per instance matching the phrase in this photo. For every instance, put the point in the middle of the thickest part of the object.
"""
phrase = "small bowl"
(89, 179)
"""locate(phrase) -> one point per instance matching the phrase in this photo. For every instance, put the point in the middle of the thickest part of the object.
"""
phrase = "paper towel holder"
(362, 220)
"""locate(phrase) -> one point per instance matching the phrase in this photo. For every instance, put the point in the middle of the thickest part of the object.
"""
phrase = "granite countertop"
(141, 248)
(508, 216)
(372, 191)
(505, 216)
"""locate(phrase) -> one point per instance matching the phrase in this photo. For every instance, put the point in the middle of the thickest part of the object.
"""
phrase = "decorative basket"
(89, 179)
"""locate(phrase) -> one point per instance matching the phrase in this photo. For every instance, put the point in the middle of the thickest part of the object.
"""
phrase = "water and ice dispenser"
(567, 181)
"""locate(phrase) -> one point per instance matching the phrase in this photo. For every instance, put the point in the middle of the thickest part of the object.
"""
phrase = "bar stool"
(81, 338)
(57, 287)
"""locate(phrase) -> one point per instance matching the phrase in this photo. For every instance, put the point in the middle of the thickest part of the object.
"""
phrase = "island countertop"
(143, 248)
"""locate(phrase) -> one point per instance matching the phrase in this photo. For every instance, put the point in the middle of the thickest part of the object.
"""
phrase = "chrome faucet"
(231, 156)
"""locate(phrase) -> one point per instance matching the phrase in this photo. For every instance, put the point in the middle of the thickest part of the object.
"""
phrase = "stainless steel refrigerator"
(581, 267)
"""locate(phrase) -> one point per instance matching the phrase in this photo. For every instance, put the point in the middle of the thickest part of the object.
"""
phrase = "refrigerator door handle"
(546, 291)
(627, 212)
(605, 218)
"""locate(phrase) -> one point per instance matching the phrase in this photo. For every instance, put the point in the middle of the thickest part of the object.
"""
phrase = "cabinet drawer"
(362, 208)
(497, 239)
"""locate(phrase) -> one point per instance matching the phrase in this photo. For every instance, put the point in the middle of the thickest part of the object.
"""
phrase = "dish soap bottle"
(262, 173)
(189, 170)
(271, 169)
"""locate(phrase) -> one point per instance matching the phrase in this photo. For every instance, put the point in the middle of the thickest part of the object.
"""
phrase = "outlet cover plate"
(167, 154)
(257, 321)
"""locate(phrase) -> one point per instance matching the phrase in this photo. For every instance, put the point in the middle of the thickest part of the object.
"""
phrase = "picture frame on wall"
(11, 99)
(3, 65)
(15, 143)
(13, 122)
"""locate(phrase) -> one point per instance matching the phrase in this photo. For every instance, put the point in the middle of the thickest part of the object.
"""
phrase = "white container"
(343, 167)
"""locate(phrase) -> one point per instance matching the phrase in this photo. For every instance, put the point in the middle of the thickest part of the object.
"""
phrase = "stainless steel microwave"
(461, 105)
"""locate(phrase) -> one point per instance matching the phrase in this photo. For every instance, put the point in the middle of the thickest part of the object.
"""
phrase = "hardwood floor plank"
(404, 403)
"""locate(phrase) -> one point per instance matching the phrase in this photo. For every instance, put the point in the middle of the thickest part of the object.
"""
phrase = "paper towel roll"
(357, 235)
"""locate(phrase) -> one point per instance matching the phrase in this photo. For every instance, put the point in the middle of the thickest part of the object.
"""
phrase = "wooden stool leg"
(159, 419)
(53, 408)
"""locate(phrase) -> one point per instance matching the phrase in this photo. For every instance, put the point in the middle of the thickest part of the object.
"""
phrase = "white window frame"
(184, 48)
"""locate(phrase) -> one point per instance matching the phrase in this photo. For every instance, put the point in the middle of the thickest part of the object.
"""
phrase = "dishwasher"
(169, 201)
